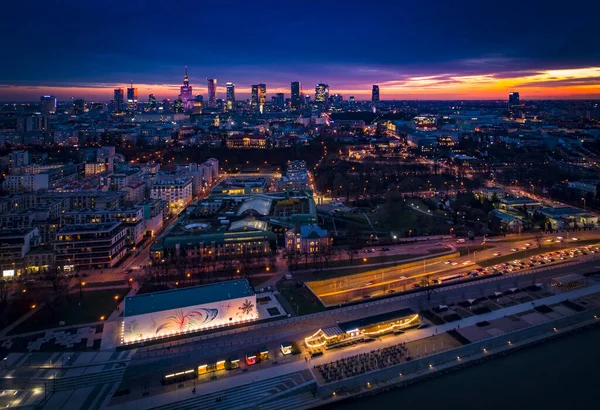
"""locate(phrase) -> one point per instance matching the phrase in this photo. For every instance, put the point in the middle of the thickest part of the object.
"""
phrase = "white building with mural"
(171, 312)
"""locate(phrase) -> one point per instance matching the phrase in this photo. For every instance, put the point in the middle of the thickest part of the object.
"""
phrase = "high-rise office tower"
(296, 95)
(514, 101)
(198, 104)
(185, 93)
(254, 95)
(212, 91)
(262, 95)
(230, 97)
(178, 105)
(351, 100)
(321, 93)
(279, 100)
(48, 104)
(132, 98)
(152, 102)
(118, 98)
(375, 94)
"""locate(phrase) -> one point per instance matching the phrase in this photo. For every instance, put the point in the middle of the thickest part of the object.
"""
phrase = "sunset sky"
(413, 50)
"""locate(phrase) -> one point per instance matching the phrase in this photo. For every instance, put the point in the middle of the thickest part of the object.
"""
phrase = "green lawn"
(92, 306)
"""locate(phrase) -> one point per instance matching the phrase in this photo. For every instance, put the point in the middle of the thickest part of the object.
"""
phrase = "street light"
(583, 199)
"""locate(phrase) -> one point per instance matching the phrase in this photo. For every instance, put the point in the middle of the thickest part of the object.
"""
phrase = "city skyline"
(456, 52)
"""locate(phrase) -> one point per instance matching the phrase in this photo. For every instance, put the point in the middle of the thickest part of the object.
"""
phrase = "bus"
(449, 278)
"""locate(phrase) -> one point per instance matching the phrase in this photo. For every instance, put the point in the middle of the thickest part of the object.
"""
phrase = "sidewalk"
(267, 373)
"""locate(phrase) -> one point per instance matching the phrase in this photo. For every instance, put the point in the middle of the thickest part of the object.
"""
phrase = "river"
(560, 374)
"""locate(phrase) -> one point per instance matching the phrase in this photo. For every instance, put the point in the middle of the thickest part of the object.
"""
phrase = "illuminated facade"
(212, 91)
(167, 313)
(177, 191)
(321, 93)
(514, 101)
(48, 104)
(97, 245)
(185, 93)
(296, 95)
(362, 329)
(118, 99)
(230, 98)
(132, 98)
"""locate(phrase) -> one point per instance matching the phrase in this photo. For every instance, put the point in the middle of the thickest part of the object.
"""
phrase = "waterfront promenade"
(230, 384)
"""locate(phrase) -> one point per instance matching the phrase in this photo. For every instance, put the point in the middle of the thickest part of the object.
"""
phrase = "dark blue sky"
(349, 44)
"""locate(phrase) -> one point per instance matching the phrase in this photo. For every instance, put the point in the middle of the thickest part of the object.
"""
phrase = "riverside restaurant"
(363, 329)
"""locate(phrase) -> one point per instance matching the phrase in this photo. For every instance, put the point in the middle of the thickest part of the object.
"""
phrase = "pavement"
(333, 355)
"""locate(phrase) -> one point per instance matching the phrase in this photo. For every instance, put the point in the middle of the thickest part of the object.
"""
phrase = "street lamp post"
(583, 199)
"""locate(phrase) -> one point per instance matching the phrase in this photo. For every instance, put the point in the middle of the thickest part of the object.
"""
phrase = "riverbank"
(556, 374)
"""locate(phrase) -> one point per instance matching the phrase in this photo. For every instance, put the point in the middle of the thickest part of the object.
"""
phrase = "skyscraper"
(254, 95)
(230, 98)
(296, 95)
(279, 100)
(212, 91)
(48, 104)
(321, 93)
(514, 101)
(375, 94)
(186, 93)
(152, 102)
(118, 98)
(132, 98)
(262, 95)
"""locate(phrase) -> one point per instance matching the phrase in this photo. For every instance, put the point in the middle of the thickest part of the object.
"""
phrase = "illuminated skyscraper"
(296, 95)
(259, 96)
(262, 95)
(254, 95)
(321, 93)
(152, 102)
(132, 98)
(186, 93)
(198, 104)
(514, 101)
(375, 94)
(230, 98)
(212, 91)
(279, 100)
(48, 104)
(178, 105)
(118, 99)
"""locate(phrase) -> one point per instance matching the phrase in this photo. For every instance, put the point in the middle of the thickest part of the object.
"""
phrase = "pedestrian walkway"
(235, 382)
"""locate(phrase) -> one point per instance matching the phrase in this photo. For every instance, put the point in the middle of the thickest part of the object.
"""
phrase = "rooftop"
(562, 211)
(180, 298)
(373, 320)
(89, 228)
(516, 200)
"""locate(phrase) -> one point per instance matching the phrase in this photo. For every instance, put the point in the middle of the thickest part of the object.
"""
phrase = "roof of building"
(180, 298)
(503, 215)
(372, 320)
(561, 212)
(89, 228)
(312, 232)
(518, 200)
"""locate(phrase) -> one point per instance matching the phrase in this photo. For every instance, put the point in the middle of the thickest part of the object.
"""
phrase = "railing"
(459, 354)
(150, 351)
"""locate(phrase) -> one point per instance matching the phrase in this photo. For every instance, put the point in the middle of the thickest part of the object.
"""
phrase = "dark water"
(560, 374)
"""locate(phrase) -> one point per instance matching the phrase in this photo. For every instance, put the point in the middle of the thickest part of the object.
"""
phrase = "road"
(344, 290)
(148, 367)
